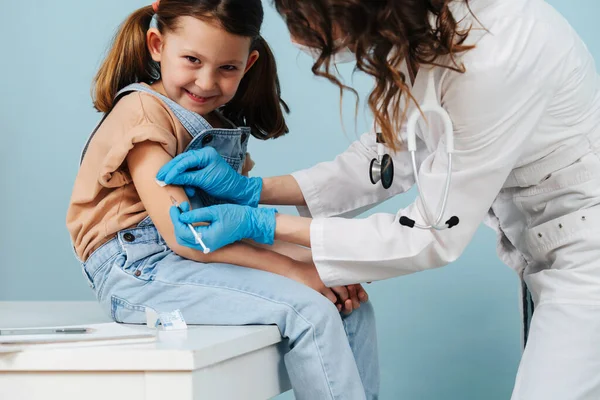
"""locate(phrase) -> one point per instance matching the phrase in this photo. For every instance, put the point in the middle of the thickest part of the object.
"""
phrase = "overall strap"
(192, 122)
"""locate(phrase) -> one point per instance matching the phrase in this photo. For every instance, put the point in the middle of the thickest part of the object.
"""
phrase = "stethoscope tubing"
(430, 105)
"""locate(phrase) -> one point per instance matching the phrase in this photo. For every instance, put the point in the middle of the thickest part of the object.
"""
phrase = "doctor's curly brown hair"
(382, 33)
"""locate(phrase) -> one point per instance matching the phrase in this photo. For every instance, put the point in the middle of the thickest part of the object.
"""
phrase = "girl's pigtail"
(128, 60)
(257, 103)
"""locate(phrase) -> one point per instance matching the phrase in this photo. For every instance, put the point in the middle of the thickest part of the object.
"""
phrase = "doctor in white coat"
(523, 96)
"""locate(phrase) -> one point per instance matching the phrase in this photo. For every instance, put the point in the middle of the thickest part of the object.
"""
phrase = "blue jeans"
(328, 355)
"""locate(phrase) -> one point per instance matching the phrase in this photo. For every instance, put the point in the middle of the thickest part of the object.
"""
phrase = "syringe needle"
(196, 234)
(198, 238)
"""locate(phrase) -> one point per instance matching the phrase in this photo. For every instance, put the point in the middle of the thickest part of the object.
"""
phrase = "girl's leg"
(362, 336)
(359, 325)
(319, 359)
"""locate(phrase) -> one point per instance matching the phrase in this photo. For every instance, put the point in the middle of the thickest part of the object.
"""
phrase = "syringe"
(196, 234)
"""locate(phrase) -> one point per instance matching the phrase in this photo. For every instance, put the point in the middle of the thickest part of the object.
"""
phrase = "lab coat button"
(128, 237)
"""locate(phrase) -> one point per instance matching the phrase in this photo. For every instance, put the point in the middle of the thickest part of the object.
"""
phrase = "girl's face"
(201, 64)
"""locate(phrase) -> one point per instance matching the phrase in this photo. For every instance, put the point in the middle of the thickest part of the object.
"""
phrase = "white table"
(204, 362)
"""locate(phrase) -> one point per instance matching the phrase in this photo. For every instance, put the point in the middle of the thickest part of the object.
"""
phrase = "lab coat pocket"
(567, 241)
(561, 192)
(565, 255)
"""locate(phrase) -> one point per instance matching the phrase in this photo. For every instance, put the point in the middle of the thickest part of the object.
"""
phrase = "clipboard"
(110, 333)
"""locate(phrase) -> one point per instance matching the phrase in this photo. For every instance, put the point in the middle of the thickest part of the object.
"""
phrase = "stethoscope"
(382, 167)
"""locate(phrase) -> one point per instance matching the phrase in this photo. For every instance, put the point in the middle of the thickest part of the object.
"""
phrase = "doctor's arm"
(336, 188)
(341, 187)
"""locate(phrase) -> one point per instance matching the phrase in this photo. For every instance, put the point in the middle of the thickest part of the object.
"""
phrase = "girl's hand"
(346, 298)
(350, 297)
(307, 274)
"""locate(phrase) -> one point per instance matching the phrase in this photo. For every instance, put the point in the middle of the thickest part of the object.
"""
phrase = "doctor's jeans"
(328, 355)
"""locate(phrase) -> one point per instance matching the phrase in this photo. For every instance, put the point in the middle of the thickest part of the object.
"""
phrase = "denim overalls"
(328, 356)
(231, 144)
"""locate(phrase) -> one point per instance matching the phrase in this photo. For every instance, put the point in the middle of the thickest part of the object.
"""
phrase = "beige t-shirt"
(104, 199)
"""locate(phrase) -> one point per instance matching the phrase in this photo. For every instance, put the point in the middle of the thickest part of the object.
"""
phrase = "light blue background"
(451, 333)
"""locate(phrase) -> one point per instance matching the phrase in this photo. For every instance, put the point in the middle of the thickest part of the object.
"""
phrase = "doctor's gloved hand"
(207, 170)
(228, 223)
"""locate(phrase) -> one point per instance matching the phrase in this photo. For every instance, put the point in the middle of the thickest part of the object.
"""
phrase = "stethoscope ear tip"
(405, 221)
(410, 223)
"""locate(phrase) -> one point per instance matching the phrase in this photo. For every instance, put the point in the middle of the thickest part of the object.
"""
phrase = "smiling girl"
(185, 75)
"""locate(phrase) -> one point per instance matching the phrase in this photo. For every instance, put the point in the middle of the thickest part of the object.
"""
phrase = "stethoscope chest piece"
(382, 169)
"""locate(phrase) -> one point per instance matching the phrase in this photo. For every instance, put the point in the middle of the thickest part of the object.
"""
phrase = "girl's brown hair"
(257, 102)
(382, 33)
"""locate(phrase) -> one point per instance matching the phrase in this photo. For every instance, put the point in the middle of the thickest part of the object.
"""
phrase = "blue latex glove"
(228, 223)
(207, 170)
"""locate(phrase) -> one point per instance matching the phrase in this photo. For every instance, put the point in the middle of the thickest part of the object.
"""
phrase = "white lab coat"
(530, 88)
(526, 118)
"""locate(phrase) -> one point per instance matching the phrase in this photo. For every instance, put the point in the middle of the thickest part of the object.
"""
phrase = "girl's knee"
(321, 308)
(315, 307)
(365, 312)
(363, 318)
(304, 297)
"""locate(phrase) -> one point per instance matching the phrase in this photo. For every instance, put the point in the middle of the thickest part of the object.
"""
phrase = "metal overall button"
(137, 273)
(207, 139)
(128, 237)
